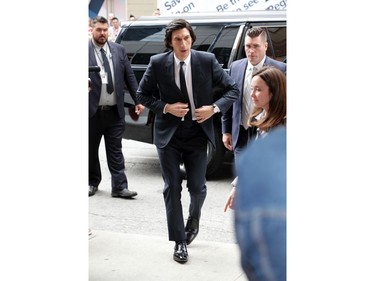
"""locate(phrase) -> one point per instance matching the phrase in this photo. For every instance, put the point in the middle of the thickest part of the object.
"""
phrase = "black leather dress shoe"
(92, 190)
(125, 193)
(191, 229)
(180, 252)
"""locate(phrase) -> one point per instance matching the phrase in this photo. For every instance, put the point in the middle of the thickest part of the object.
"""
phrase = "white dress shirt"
(105, 98)
(188, 79)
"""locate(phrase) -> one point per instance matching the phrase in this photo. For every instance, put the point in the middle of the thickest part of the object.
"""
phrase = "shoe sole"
(94, 191)
(179, 261)
(127, 197)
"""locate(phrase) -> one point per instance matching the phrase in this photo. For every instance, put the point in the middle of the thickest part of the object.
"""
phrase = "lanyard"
(99, 55)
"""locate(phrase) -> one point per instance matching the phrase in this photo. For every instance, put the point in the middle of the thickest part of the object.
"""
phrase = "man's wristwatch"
(216, 109)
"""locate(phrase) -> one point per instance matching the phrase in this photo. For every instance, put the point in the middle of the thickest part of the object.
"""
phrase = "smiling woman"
(268, 93)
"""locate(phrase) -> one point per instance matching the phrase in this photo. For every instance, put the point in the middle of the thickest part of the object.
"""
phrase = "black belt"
(106, 107)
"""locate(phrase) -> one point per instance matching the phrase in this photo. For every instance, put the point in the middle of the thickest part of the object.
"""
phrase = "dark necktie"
(184, 91)
(107, 69)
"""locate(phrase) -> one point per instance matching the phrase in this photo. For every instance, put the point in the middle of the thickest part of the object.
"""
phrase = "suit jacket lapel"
(92, 59)
(169, 66)
(114, 55)
(242, 72)
(196, 75)
(266, 61)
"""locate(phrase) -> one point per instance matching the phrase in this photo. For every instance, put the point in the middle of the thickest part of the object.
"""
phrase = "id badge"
(104, 77)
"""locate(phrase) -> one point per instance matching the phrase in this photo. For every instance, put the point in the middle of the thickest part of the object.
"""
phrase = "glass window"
(143, 42)
(224, 45)
(277, 42)
(206, 34)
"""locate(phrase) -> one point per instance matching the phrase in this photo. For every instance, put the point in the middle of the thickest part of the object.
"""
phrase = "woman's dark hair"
(276, 115)
(174, 25)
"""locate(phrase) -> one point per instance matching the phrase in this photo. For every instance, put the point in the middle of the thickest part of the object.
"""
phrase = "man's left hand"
(203, 113)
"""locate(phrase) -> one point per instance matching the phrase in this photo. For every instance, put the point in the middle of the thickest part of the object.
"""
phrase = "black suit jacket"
(158, 87)
(123, 76)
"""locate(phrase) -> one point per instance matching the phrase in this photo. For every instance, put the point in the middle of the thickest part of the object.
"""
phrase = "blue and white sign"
(168, 7)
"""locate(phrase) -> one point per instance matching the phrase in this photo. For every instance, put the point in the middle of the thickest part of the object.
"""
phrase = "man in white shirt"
(178, 87)
(114, 30)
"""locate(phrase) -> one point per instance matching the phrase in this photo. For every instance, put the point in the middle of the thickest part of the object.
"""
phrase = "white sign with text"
(168, 7)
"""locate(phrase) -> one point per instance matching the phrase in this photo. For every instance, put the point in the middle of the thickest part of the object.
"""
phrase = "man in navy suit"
(234, 121)
(106, 107)
(178, 87)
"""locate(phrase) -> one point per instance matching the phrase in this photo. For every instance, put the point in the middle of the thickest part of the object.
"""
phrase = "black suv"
(219, 33)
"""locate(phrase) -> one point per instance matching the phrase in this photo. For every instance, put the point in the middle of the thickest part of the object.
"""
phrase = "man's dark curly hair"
(174, 25)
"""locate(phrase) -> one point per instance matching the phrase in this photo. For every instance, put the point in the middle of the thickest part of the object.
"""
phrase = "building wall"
(141, 8)
(123, 8)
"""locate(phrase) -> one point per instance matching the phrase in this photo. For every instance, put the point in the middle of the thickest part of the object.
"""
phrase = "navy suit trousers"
(189, 144)
(111, 126)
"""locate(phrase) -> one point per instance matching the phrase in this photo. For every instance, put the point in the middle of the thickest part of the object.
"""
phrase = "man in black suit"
(178, 87)
(106, 107)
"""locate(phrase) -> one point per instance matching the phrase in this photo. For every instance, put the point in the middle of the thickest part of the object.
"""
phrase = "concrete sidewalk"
(115, 256)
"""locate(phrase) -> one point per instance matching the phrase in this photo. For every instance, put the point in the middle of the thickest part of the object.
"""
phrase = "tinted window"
(205, 34)
(143, 42)
(277, 40)
(223, 46)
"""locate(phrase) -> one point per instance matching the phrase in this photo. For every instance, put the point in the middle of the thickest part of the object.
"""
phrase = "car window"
(142, 42)
(206, 34)
(277, 38)
(224, 44)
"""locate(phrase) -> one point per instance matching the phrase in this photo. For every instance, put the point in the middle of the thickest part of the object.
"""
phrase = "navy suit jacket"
(231, 119)
(123, 76)
(158, 87)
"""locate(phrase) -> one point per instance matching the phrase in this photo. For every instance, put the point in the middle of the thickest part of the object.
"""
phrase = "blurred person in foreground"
(178, 86)
(260, 207)
(106, 108)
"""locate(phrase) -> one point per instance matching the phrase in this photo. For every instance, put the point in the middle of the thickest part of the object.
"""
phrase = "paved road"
(146, 213)
(129, 238)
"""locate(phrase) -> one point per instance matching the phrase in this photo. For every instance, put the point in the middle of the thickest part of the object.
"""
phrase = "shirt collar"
(260, 115)
(177, 61)
(105, 47)
(258, 66)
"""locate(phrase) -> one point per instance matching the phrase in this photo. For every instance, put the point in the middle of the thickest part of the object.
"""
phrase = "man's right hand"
(178, 109)
(227, 141)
